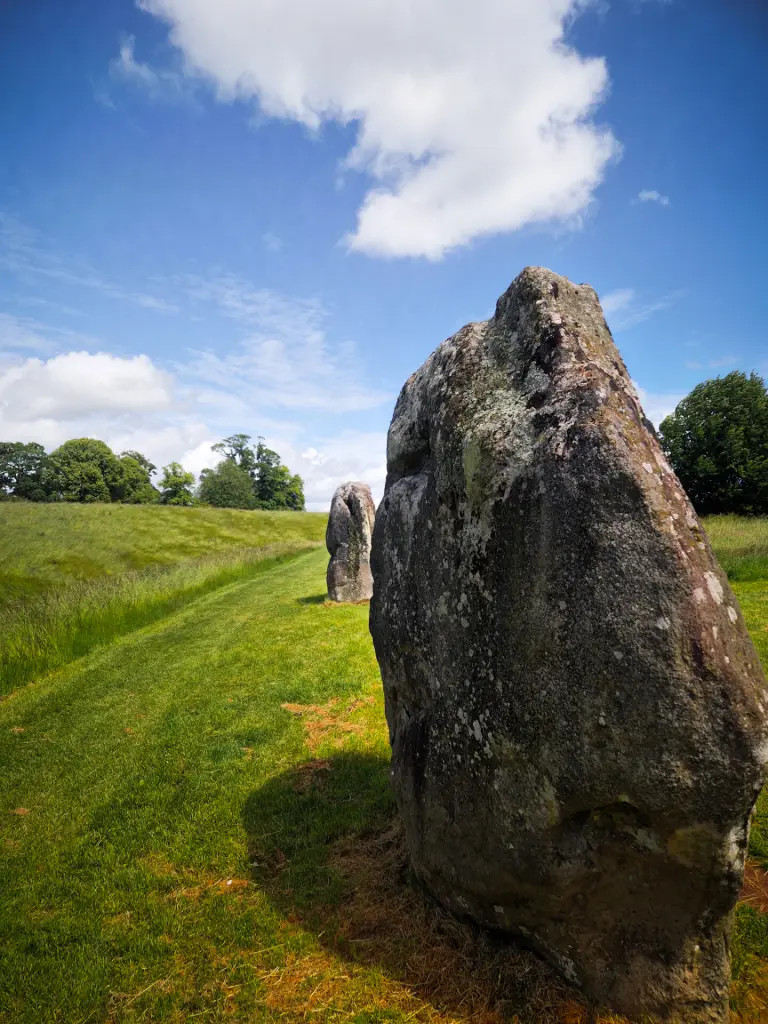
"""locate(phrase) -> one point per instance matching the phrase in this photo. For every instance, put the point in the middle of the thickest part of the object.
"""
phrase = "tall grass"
(741, 545)
(45, 631)
(44, 546)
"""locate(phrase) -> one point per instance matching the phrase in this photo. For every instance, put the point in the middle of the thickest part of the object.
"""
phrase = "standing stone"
(575, 709)
(348, 539)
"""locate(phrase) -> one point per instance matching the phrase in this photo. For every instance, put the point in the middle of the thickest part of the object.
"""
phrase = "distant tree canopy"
(250, 476)
(84, 470)
(717, 442)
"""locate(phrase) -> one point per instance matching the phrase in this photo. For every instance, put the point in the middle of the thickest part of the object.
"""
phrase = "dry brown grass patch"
(754, 891)
(389, 947)
(329, 722)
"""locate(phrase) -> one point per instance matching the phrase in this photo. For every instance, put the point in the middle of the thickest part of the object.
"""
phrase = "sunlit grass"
(741, 545)
(196, 824)
(48, 546)
(47, 630)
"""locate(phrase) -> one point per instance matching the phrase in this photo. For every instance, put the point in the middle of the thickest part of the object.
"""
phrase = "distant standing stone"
(576, 711)
(348, 539)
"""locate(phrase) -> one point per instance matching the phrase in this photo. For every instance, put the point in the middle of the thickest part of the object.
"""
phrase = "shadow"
(327, 849)
(314, 599)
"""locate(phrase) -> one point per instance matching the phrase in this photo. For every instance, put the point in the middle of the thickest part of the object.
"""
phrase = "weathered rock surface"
(575, 708)
(348, 539)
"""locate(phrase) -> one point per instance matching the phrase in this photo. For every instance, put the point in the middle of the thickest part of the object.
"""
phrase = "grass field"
(196, 825)
(73, 577)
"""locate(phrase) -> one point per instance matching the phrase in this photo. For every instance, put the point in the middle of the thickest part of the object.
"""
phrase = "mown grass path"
(124, 782)
(196, 825)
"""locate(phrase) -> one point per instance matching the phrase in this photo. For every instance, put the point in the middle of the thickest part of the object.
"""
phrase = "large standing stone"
(348, 539)
(575, 708)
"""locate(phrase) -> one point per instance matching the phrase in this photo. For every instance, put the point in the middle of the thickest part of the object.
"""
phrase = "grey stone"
(576, 711)
(348, 539)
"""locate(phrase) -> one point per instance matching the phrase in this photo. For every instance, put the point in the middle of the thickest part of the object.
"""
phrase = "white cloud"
(77, 384)
(162, 85)
(472, 119)
(350, 455)
(652, 196)
(133, 403)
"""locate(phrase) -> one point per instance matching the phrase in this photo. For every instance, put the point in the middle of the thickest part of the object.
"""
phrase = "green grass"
(54, 627)
(143, 769)
(48, 546)
(74, 577)
(741, 545)
(195, 825)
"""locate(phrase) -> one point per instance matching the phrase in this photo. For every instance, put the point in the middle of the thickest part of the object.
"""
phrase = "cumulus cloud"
(472, 119)
(652, 196)
(131, 402)
(77, 384)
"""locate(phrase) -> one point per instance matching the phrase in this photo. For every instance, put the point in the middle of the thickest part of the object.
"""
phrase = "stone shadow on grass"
(328, 851)
(314, 599)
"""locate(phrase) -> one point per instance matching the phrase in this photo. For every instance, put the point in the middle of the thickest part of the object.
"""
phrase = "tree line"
(87, 470)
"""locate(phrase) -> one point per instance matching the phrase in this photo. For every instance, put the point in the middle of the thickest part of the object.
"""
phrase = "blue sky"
(262, 217)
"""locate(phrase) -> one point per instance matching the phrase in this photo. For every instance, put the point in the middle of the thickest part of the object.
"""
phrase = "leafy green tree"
(176, 485)
(276, 487)
(142, 460)
(84, 469)
(273, 486)
(137, 487)
(717, 442)
(21, 470)
(238, 450)
(227, 486)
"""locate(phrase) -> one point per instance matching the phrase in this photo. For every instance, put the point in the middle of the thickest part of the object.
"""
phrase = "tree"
(227, 486)
(717, 442)
(137, 487)
(276, 487)
(142, 460)
(273, 486)
(21, 470)
(176, 485)
(237, 449)
(84, 469)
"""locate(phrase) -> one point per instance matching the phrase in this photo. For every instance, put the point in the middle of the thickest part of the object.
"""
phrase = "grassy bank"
(73, 577)
(48, 546)
(46, 630)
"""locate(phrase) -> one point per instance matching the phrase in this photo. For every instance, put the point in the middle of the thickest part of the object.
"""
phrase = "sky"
(261, 216)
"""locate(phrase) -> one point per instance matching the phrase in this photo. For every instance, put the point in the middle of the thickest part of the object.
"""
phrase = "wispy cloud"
(26, 251)
(624, 310)
(20, 333)
(658, 405)
(652, 196)
(161, 85)
(721, 363)
(284, 358)
(271, 242)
